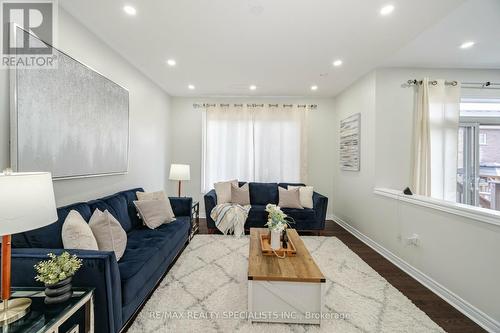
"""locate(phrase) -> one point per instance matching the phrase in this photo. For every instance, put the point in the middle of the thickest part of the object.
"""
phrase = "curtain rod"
(253, 105)
(479, 85)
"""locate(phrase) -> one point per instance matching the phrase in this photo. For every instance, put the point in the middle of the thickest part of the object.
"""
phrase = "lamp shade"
(179, 172)
(26, 202)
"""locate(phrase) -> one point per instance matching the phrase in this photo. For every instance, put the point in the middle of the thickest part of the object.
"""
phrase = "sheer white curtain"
(280, 144)
(258, 143)
(437, 117)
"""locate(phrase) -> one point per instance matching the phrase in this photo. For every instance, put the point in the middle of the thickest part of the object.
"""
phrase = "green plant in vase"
(277, 222)
(56, 273)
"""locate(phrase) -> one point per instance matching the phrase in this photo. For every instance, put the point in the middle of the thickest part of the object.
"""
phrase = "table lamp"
(179, 172)
(26, 203)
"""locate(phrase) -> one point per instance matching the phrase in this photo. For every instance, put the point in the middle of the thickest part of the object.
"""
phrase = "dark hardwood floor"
(446, 316)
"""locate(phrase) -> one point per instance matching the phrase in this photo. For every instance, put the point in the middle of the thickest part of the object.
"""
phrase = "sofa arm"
(181, 205)
(99, 271)
(320, 205)
(210, 203)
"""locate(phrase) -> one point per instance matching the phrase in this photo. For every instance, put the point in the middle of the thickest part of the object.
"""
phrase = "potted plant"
(277, 221)
(56, 273)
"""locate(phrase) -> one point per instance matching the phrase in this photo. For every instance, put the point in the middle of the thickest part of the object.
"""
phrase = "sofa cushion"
(49, 237)
(257, 217)
(285, 185)
(263, 193)
(130, 197)
(146, 251)
(305, 219)
(119, 205)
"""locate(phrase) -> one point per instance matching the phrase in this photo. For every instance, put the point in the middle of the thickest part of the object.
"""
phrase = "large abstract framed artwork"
(350, 141)
(69, 120)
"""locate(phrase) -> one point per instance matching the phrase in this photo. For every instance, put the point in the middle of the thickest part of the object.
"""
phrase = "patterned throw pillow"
(76, 233)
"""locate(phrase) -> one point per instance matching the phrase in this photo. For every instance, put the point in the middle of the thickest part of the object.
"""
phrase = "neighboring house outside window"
(478, 179)
(483, 139)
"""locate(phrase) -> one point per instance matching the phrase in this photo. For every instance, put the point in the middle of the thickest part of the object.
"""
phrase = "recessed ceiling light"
(253, 87)
(129, 10)
(386, 10)
(467, 45)
(314, 87)
(191, 87)
(171, 62)
(337, 63)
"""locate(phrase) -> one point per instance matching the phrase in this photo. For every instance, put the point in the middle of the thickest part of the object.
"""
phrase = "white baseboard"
(478, 316)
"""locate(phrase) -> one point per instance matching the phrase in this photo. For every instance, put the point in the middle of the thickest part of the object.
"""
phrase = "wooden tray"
(265, 245)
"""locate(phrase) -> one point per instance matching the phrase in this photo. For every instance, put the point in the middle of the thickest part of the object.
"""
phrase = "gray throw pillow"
(289, 198)
(160, 195)
(108, 232)
(153, 212)
(240, 195)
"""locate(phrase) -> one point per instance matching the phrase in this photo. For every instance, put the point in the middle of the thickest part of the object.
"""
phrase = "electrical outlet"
(413, 240)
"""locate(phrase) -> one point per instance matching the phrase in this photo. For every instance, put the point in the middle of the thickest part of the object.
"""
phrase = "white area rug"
(209, 283)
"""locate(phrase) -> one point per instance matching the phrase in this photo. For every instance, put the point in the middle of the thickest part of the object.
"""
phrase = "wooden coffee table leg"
(250, 300)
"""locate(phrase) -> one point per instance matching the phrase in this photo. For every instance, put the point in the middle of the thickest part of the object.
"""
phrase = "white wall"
(186, 147)
(149, 118)
(458, 253)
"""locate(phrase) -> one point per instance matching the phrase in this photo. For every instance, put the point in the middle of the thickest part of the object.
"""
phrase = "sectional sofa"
(262, 194)
(120, 287)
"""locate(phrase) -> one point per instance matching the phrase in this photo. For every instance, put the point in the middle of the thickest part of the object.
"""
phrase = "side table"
(195, 219)
(43, 318)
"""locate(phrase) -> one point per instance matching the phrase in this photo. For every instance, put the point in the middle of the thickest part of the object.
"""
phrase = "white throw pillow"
(160, 195)
(306, 195)
(223, 191)
(108, 233)
(76, 233)
(153, 212)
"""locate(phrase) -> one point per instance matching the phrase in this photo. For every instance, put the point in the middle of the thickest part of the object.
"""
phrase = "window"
(478, 179)
(261, 144)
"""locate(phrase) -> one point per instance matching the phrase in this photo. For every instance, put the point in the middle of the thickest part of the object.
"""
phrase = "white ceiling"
(438, 46)
(282, 46)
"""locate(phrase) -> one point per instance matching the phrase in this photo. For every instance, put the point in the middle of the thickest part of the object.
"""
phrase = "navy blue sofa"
(262, 194)
(120, 287)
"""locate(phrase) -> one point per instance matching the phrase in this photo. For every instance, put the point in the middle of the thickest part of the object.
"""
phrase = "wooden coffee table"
(286, 290)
